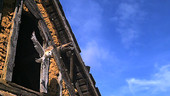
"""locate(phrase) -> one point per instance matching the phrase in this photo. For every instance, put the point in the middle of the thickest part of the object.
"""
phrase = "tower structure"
(32, 29)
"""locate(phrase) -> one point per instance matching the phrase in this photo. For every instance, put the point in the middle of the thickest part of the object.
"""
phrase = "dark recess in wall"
(26, 71)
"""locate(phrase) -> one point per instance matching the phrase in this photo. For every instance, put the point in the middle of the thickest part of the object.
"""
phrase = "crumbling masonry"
(39, 54)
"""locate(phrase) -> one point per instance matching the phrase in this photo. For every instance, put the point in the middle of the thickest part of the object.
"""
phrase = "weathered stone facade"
(8, 7)
(18, 68)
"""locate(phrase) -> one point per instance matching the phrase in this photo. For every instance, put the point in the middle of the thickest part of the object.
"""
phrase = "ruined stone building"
(39, 54)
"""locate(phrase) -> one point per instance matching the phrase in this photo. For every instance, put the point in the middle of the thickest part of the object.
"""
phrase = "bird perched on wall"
(43, 53)
(47, 54)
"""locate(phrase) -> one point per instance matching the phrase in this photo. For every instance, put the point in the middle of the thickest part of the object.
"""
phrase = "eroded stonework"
(5, 30)
(76, 80)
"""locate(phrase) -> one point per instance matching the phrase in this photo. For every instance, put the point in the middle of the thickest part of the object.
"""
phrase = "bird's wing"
(37, 45)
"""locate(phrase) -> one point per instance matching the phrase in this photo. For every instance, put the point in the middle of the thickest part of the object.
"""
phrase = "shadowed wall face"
(26, 71)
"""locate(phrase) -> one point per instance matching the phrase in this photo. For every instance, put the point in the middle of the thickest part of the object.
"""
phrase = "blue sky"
(126, 43)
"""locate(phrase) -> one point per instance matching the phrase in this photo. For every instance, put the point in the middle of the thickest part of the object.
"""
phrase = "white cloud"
(93, 54)
(127, 16)
(159, 83)
(85, 17)
(128, 36)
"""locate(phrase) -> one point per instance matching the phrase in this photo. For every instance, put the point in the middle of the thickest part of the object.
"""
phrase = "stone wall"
(8, 8)
(53, 89)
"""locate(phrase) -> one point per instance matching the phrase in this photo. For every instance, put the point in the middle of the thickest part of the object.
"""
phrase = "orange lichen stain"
(65, 90)
(25, 8)
(53, 84)
(49, 23)
(53, 87)
(53, 70)
(5, 30)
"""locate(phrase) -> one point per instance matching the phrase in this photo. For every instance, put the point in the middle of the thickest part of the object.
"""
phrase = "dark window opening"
(26, 71)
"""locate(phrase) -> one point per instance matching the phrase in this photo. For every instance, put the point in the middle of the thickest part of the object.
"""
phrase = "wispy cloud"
(85, 17)
(128, 36)
(86, 20)
(93, 54)
(127, 16)
(159, 83)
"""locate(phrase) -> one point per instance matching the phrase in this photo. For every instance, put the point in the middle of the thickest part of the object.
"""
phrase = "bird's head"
(48, 51)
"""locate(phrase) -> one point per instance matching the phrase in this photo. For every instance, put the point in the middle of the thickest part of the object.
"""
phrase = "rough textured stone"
(60, 32)
(49, 23)
(5, 30)
(53, 70)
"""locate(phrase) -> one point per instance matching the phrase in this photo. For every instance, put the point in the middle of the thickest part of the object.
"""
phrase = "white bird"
(44, 55)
